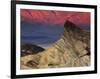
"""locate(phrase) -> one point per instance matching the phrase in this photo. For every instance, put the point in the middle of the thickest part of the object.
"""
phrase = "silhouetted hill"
(27, 49)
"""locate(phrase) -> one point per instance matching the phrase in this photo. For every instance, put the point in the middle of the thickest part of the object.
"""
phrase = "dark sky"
(43, 27)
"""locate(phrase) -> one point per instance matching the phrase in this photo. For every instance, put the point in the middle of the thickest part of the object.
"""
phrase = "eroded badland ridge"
(71, 50)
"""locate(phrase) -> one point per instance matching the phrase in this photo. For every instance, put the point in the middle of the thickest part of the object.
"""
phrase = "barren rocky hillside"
(71, 50)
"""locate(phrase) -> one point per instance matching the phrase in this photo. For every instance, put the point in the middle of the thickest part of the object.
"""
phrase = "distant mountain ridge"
(29, 49)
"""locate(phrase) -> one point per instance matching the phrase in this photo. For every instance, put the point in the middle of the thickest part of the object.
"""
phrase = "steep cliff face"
(71, 50)
(74, 38)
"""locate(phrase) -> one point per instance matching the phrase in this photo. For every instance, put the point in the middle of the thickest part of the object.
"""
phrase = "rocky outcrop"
(75, 39)
(71, 50)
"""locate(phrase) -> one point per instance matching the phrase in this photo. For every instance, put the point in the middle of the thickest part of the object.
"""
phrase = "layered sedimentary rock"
(71, 50)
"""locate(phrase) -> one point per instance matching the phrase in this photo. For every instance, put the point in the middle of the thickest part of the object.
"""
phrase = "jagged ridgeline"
(71, 50)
